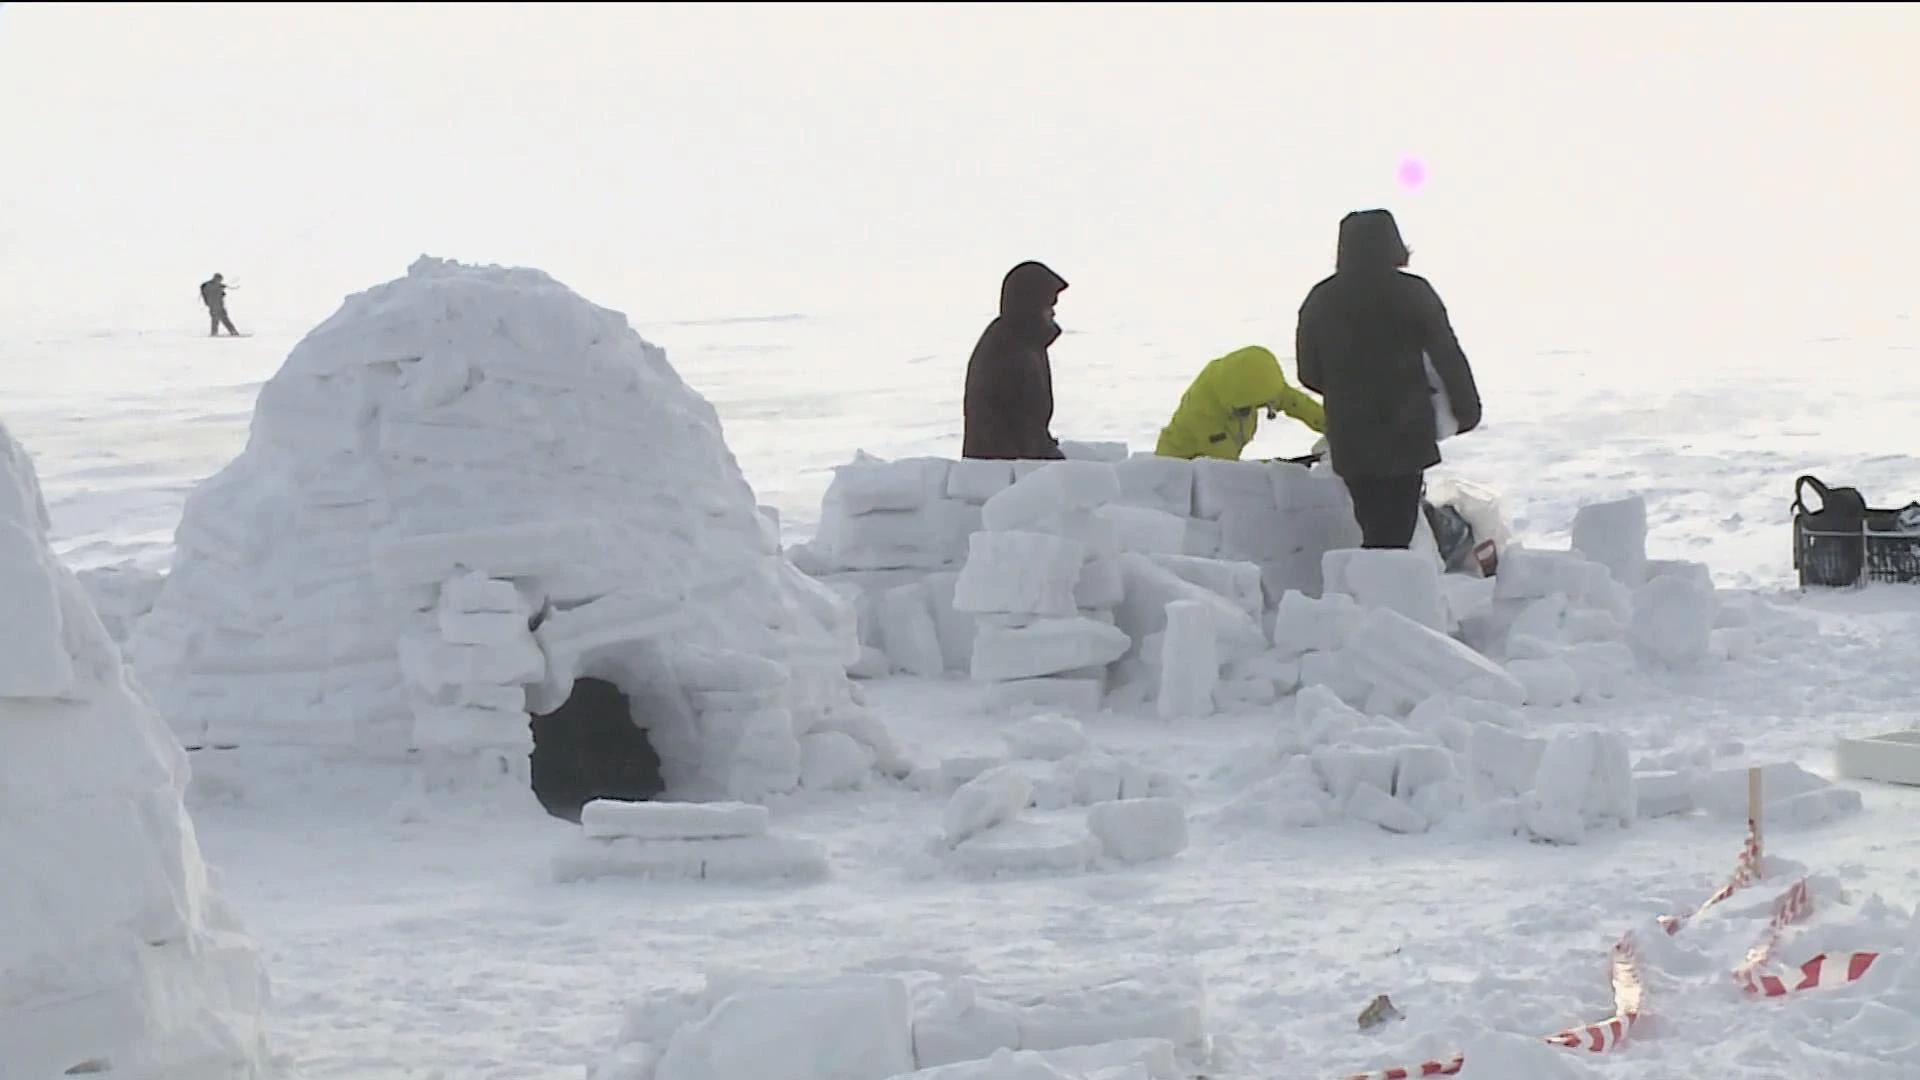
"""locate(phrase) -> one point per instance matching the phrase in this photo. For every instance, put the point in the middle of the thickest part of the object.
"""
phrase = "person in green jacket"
(1220, 413)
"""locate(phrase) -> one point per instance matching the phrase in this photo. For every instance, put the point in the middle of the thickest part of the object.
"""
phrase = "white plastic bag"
(1444, 424)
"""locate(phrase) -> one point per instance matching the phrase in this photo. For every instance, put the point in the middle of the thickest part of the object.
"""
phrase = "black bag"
(1829, 544)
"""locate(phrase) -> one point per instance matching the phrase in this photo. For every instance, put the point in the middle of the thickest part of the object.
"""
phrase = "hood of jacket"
(1026, 293)
(1370, 241)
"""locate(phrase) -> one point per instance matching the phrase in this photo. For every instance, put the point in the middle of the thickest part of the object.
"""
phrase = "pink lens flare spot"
(1412, 173)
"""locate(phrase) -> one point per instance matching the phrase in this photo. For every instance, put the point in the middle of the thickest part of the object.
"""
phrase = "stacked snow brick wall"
(467, 664)
(896, 535)
(1043, 579)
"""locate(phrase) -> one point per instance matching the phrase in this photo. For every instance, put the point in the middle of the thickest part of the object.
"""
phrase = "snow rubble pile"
(1020, 573)
(1410, 690)
(465, 490)
(120, 956)
(911, 1024)
(1088, 807)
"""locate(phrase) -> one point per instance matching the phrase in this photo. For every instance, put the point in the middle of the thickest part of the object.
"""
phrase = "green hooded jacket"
(1220, 413)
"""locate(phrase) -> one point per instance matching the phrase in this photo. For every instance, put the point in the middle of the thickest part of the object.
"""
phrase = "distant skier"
(213, 293)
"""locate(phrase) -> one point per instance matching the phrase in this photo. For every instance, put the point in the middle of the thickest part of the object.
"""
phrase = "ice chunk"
(1147, 531)
(849, 1028)
(954, 627)
(1404, 581)
(1376, 807)
(1047, 738)
(1220, 486)
(1663, 793)
(1150, 588)
(1024, 573)
(906, 627)
(1081, 450)
(1101, 586)
(1189, 662)
(1614, 534)
(1139, 830)
(1549, 682)
(833, 761)
(1415, 662)
(1673, 622)
(867, 485)
(1237, 581)
(1156, 483)
(997, 795)
(1303, 624)
(1057, 487)
(1021, 847)
(1048, 647)
(975, 480)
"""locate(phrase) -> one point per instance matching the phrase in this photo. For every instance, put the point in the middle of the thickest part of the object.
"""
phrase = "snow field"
(437, 939)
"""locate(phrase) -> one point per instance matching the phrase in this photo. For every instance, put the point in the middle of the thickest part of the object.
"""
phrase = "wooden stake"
(1753, 805)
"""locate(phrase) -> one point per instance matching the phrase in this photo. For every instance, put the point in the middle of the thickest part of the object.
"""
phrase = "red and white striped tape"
(1629, 991)
(1824, 970)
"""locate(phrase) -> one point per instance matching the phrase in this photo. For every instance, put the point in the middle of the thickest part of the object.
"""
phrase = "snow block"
(1414, 662)
(1189, 662)
(607, 819)
(995, 796)
(1237, 581)
(1047, 647)
(1156, 483)
(1025, 847)
(739, 859)
(1139, 830)
(1047, 738)
(1672, 622)
(1145, 530)
(849, 1028)
(975, 481)
(1057, 487)
(868, 485)
(1019, 573)
(908, 632)
(1150, 588)
(1220, 486)
(1614, 534)
(1404, 581)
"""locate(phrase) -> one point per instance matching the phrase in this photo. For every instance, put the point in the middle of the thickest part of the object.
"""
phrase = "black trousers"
(1387, 508)
(218, 316)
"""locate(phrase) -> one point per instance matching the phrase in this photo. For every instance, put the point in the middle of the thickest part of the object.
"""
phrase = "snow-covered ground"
(411, 941)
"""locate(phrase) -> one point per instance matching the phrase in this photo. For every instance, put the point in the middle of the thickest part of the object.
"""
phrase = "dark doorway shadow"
(589, 748)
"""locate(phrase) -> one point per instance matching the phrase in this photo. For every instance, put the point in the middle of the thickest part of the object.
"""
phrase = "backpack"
(1829, 544)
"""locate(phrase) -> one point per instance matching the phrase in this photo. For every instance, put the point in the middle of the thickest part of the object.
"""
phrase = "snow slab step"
(738, 859)
(610, 819)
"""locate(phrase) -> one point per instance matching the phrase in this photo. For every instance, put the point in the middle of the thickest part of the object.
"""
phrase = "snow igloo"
(119, 957)
(481, 524)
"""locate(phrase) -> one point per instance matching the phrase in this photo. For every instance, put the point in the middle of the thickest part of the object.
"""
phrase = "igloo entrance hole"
(590, 748)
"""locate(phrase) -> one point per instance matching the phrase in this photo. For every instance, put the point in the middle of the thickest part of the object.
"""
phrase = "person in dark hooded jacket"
(1008, 410)
(1365, 337)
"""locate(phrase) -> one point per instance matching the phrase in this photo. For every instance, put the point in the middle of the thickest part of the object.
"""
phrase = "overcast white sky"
(673, 157)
